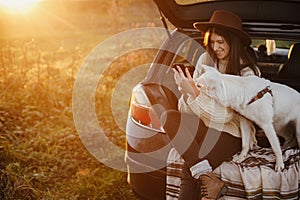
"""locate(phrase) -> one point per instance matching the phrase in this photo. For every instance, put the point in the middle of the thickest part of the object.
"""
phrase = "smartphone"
(182, 67)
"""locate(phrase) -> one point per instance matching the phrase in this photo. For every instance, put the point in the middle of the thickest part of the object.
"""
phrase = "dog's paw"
(279, 166)
(253, 144)
(239, 158)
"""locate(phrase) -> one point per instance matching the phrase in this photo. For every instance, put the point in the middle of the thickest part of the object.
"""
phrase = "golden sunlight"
(17, 5)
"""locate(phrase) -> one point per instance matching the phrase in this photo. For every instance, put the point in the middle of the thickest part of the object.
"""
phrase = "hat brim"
(204, 26)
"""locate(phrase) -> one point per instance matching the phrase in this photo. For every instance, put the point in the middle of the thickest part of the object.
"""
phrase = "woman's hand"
(186, 84)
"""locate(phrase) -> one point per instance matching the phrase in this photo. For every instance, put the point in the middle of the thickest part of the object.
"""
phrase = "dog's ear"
(208, 80)
(206, 68)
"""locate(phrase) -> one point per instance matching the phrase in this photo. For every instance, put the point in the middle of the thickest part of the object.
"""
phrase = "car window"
(274, 51)
(188, 54)
(284, 44)
(272, 55)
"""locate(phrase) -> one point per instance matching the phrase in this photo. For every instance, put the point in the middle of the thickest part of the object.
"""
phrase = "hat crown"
(226, 19)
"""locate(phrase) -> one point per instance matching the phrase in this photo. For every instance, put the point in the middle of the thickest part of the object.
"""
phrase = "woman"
(204, 144)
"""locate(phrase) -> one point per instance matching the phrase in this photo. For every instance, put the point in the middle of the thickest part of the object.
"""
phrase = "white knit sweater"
(208, 110)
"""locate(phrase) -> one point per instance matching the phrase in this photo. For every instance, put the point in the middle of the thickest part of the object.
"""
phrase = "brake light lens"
(141, 110)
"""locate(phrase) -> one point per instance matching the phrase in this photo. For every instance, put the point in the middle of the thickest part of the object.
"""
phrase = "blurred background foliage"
(41, 154)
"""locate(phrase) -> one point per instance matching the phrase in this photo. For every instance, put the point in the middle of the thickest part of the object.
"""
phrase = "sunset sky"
(18, 6)
(37, 17)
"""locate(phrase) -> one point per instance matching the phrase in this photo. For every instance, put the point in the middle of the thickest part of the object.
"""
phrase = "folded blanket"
(254, 178)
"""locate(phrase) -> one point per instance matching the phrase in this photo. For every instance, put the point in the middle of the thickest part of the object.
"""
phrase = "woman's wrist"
(185, 97)
(196, 91)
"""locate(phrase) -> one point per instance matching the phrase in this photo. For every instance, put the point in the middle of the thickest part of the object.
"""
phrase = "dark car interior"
(289, 72)
(280, 68)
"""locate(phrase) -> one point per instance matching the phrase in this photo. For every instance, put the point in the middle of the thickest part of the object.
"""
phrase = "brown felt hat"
(226, 20)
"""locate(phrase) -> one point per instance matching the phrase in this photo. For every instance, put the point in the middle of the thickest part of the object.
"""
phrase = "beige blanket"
(255, 178)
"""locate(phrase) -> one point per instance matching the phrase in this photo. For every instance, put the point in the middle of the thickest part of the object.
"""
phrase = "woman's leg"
(196, 145)
(226, 146)
(195, 142)
(189, 189)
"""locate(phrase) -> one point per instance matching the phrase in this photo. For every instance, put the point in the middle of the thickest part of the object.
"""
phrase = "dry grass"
(42, 156)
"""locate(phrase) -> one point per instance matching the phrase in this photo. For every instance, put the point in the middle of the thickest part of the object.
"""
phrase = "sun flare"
(17, 5)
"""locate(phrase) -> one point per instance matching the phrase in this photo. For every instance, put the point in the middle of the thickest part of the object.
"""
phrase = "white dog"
(270, 105)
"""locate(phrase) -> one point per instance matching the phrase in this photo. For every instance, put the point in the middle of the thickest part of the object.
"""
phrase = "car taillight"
(141, 110)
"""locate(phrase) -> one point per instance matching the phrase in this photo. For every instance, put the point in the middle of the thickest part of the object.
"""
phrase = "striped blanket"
(254, 178)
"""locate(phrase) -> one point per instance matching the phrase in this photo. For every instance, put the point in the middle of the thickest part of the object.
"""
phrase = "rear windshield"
(283, 44)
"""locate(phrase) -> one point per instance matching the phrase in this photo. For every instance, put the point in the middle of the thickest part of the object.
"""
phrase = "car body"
(270, 22)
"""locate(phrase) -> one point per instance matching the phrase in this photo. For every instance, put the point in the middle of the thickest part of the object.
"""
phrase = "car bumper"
(146, 157)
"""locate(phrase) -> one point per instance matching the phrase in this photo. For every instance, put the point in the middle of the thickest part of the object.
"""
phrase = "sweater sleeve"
(208, 108)
(209, 111)
(203, 106)
(184, 107)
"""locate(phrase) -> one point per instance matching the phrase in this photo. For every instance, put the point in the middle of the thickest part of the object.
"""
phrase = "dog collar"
(261, 94)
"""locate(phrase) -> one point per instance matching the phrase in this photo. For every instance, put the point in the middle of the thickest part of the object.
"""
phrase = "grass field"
(42, 156)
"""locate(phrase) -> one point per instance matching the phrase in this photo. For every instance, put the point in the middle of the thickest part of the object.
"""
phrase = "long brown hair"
(238, 51)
